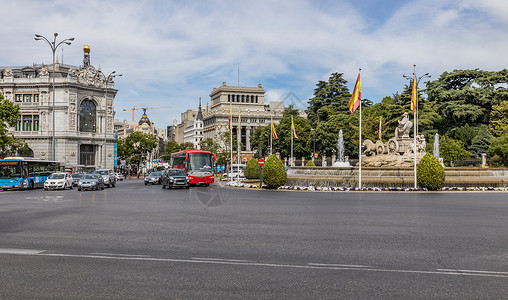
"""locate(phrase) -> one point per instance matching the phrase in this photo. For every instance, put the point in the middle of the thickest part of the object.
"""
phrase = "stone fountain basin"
(392, 177)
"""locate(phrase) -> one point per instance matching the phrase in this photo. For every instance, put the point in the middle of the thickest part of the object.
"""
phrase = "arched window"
(87, 116)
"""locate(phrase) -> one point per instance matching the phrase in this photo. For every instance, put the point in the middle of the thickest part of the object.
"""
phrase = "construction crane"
(143, 108)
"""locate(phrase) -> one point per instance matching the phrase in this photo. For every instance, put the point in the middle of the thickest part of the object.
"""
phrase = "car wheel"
(70, 187)
(187, 187)
(65, 186)
(163, 186)
(79, 189)
(31, 185)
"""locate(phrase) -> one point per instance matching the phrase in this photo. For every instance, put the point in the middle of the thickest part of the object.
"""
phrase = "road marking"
(117, 254)
(472, 271)
(494, 274)
(20, 251)
(338, 265)
(221, 259)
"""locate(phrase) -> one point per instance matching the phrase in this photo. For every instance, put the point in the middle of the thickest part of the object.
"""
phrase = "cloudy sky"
(173, 52)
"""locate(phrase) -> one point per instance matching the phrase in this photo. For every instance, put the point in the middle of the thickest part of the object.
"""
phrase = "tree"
(170, 147)
(481, 142)
(452, 150)
(466, 96)
(284, 132)
(208, 144)
(498, 150)
(9, 115)
(498, 124)
(186, 145)
(136, 146)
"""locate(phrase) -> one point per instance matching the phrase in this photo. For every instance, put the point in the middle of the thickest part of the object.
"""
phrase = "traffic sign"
(261, 162)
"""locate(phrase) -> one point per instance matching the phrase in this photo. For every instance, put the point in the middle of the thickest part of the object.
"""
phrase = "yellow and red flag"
(293, 128)
(379, 130)
(414, 95)
(356, 97)
(230, 118)
(239, 122)
(274, 134)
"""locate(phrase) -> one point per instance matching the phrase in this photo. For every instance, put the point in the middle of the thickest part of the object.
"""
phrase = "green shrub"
(274, 173)
(310, 163)
(430, 173)
(251, 169)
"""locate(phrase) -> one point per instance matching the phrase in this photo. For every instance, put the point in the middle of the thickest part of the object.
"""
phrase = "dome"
(144, 120)
(86, 49)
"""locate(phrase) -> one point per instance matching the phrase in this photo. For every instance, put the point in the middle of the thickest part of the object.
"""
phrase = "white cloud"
(172, 53)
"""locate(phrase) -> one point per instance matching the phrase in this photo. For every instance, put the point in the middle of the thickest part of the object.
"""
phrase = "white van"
(236, 171)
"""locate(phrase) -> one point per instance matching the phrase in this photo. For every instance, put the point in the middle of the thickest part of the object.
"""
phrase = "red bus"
(197, 164)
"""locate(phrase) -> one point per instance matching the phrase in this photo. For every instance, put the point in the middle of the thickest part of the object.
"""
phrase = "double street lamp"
(106, 80)
(53, 46)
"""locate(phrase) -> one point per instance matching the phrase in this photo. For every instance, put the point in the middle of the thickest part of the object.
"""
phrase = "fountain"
(435, 152)
(340, 153)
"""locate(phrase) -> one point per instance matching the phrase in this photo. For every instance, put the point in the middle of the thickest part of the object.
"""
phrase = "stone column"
(247, 138)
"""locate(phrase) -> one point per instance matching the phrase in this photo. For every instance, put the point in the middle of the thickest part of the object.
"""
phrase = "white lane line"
(473, 271)
(20, 251)
(117, 254)
(221, 259)
(256, 264)
(339, 265)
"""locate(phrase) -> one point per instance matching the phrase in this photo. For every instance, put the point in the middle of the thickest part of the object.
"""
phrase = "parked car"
(236, 171)
(154, 178)
(175, 178)
(119, 176)
(108, 176)
(75, 178)
(91, 181)
(58, 181)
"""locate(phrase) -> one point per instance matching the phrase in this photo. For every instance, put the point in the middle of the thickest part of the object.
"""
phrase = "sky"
(171, 53)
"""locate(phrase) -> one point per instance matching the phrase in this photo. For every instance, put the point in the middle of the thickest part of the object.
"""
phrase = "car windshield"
(176, 173)
(155, 174)
(57, 176)
(102, 172)
(90, 176)
(77, 176)
(200, 162)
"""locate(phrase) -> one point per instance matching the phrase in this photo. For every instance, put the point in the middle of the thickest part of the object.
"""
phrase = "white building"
(193, 132)
(79, 116)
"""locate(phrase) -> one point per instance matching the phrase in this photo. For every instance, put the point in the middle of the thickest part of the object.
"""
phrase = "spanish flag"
(414, 95)
(356, 97)
(230, 118)
(274, 134)
(293, 128)
(239, 122)
(379, 130)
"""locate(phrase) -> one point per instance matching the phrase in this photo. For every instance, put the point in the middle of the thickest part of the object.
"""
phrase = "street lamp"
(107, 80)
(53, 46)
(426, 75)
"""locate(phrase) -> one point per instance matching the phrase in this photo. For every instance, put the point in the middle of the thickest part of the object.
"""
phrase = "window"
(86, 155)
(17, 97)
(27, 98)
(36, 97)
(28, 123)
(87, 116)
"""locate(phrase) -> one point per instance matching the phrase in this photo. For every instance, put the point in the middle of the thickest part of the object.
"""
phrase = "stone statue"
(402, 131)
(44, 72)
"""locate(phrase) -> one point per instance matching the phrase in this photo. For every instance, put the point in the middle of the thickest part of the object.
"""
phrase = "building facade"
(247, 105)
(71, 123)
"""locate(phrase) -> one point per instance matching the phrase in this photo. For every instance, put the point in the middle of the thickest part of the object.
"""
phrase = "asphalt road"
(142, 242)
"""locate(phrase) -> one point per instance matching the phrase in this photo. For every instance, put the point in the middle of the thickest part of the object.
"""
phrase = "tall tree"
(9, 114)
(136, 146)
(498, 124)
(466, 96)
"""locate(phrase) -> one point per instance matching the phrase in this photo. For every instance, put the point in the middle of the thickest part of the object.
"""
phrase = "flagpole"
(416, 124)
(271, 135)
(238, 138)
(292, 133)
(360, 144)
(231, 140)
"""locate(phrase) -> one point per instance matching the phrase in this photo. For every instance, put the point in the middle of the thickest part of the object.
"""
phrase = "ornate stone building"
(249, 103)
(81, 111)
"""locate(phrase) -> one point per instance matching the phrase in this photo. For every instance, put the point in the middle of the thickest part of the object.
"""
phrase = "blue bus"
(26, 173)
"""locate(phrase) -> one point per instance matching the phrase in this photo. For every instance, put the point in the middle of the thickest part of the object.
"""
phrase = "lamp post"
(53, 46)
(106, 80)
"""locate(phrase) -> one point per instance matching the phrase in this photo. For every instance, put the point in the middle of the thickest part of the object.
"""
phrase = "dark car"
(75, 178)
(175, 178)
(91, 181)
(153, 178)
